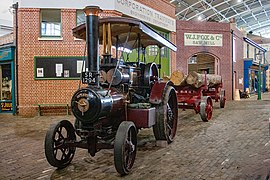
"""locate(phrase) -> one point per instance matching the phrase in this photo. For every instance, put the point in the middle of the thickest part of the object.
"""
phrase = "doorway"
(203, 62)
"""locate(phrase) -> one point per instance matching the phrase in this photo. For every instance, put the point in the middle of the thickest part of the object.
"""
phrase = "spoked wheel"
(222, 98)
(166, 116)
(206, 108)
(125, 147)
(57, 152)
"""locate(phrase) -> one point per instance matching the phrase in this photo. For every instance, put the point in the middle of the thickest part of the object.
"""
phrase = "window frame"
(82, 22)
(60, 25)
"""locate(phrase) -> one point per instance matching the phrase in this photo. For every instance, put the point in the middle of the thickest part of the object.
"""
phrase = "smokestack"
(92, 24)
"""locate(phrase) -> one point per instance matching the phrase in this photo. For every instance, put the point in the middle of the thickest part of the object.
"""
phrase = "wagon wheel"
(166, 116)
(206, 108)
(150, 74)
(222, 98)
(57, 153)
(125, 147)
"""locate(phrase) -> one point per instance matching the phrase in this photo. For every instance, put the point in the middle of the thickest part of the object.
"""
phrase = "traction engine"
(118, 98)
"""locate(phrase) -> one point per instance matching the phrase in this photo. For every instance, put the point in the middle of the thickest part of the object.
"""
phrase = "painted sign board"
(146, 14)
(7, 53)
(199, 39)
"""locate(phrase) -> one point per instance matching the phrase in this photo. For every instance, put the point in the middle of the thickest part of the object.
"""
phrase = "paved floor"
(234, 145)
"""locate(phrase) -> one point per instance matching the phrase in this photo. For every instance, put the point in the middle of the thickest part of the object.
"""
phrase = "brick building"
(45, 34)
(214, 47)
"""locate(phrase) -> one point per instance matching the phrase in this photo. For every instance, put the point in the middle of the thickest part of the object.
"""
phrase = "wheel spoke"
(169, 129)
(169, 113)
(128, 155)
(60, 133)
(55, 152)
(127, 158)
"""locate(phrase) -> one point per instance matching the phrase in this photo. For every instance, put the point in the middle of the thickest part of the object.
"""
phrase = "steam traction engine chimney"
(92, 24)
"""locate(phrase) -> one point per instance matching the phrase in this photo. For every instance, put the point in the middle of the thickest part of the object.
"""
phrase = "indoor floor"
(235, 144)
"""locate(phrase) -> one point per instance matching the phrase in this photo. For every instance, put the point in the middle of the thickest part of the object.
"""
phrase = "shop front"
(251, 76)
(7, 83)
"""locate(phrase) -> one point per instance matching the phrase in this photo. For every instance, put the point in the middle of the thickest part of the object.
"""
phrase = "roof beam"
(219, 4)
(215, 10)
(246, 12)
(191, 7)
(261, 27)
(231, 6)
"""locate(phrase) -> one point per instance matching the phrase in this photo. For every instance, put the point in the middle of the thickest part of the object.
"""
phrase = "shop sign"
(3, 54)
(6, 54)
(198, 39)
(144, 13)
(6, 106)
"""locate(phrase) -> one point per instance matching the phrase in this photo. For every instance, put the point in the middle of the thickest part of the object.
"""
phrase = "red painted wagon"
(199, 96)
(189, 97)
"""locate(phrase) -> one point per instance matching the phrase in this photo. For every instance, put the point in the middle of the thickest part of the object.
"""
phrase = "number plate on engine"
(89, 77)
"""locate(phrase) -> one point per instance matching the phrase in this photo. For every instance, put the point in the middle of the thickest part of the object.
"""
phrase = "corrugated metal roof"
(251, 15)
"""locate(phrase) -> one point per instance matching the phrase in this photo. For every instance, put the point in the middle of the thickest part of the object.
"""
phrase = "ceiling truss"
(251, 15)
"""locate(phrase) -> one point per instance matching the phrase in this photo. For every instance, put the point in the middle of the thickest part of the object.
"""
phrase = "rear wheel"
(57, 152)
(206, 108)
(166, 116)
(125, 147)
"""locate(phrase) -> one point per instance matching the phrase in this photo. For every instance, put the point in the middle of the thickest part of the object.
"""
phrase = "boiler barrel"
(90, 105)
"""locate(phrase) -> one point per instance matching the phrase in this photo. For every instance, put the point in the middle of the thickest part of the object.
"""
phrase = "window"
(80, 17)
(164, 50)
(193, 60)
(234, 49)
(50, 23)
(153, 50)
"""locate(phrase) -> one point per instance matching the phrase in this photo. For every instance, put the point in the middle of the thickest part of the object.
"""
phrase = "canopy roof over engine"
(127, 30)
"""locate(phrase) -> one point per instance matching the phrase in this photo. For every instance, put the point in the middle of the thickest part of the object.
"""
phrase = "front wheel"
(125, 147)
(166, 116)
(57, 152)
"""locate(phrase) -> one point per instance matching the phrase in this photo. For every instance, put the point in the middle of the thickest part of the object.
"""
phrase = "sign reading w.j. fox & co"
(198, 39)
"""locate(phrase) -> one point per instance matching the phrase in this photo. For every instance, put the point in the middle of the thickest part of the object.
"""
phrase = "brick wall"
(43, 91)
(31, 91)
(224, 53)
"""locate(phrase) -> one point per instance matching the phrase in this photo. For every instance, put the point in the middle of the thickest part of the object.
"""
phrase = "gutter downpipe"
(232, 65)
(15, 6)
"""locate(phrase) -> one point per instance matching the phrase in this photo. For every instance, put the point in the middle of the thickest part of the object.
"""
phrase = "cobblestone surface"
(234, 145)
